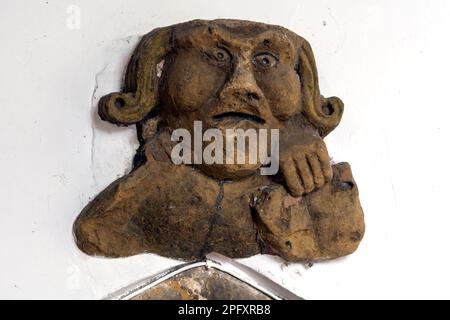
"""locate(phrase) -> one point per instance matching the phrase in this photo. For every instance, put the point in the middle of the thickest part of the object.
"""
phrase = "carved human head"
(226, 74)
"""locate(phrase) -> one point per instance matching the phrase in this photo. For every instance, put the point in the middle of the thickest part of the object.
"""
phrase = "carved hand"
(305, 167)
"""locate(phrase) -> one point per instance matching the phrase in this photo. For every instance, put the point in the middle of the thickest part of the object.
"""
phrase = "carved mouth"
(238, 116)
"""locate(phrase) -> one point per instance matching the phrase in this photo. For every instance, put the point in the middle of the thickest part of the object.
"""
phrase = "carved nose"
(242, 86)
(252, 96)
(247, 95)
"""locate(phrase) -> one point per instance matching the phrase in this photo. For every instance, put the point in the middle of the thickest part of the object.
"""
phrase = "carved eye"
(265, 60)
(220, 55)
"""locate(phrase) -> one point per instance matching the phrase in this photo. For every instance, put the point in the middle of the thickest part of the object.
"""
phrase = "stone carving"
(227, 74)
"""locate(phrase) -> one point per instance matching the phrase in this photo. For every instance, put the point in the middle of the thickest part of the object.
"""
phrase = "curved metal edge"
(250, 276)
(140, 286)
(212, 260)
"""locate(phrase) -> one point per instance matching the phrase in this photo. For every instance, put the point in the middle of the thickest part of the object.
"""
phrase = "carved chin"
(229, 171)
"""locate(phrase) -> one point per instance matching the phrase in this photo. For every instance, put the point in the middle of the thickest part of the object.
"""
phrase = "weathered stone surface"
(202, 284)
(226, 74)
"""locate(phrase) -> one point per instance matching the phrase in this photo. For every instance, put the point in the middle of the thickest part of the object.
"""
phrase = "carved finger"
(314, 163)
(324, 159)
(305, 173)
(292, 179)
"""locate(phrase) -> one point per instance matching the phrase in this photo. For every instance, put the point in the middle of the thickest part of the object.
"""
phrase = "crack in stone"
(213, 221)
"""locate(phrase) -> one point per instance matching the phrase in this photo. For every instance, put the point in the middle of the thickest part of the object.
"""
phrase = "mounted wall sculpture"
(225, 74)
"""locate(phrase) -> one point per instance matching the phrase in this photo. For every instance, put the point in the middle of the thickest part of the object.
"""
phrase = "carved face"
(227, 74)
(230, 80)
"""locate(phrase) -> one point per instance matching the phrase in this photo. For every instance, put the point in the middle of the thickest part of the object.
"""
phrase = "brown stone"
(226, 74)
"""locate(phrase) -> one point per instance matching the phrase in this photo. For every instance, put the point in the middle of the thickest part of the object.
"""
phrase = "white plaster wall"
(388, 60)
